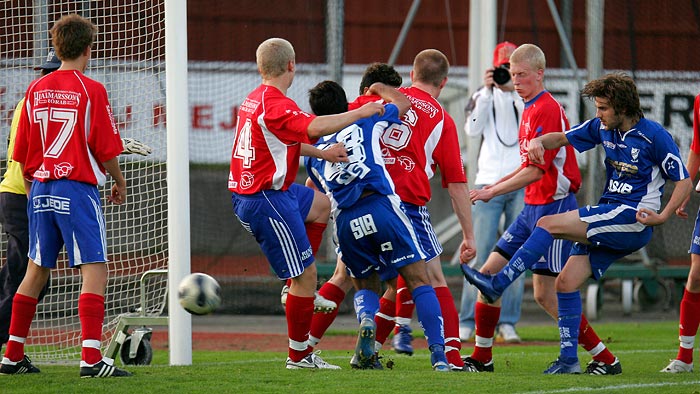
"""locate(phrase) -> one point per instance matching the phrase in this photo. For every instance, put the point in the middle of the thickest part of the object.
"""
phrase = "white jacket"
(499, 154)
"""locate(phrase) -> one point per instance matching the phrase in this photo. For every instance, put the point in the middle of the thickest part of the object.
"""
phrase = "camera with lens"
(501, 75)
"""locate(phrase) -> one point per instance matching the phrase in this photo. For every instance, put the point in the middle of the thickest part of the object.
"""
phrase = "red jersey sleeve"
(695, 144)
(103, 137)
(287, 121)
(543, 122)
(448, 156)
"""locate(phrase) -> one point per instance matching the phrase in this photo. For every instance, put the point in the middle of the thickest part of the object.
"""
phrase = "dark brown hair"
(71, 35)
(620, 90)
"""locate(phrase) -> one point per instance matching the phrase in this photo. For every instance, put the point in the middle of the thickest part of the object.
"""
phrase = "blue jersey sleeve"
(585, 136)
(666, 153)
(391, 114)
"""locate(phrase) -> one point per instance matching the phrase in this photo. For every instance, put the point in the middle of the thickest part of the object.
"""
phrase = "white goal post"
(134, 48)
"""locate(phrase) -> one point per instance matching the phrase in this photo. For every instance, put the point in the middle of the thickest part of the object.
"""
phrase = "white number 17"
(66, 117)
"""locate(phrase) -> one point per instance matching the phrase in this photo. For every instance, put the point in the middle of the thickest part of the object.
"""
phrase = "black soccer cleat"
(472, 365)
(601, 368)
(23, 366)
(102, 370)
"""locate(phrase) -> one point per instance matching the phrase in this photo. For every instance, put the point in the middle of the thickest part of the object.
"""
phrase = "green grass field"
(643, 348)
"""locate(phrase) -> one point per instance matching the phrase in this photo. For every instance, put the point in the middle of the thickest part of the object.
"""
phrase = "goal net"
(128, 58)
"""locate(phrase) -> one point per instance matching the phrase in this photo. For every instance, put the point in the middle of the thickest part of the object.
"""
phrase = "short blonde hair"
(530, 54)
(430, 66)
(272, 57)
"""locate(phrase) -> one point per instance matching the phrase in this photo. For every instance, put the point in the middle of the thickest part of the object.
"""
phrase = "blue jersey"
(637, 162)
(364, 171)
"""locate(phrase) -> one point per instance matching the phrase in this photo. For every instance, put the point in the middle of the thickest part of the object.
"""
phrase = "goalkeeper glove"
(136, 147)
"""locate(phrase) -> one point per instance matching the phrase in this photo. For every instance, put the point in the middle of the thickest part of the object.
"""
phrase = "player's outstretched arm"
(329, 124)
(390, 95)
(459, 194)
(335, 153)
(537, 146)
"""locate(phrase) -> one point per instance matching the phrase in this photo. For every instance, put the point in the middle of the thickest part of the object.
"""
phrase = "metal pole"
(178, 178)
(564, 40)
(404, 31)
(334, 39)
(594, 64)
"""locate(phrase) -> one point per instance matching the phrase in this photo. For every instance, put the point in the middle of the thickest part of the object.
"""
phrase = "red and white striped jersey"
(426, 139)
(269, 131)
(66, 130)
(543, 115)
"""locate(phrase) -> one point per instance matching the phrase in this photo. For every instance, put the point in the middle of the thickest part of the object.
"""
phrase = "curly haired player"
(640, 155)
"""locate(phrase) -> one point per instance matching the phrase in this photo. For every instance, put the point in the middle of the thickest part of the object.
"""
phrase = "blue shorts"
(614, 232)
(695, 241)
(521, 228)
(426, 234)
(375, 233)
(65, 212)
(276, 219)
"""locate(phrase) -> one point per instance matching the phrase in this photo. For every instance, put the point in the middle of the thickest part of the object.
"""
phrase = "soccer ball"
(199, 294)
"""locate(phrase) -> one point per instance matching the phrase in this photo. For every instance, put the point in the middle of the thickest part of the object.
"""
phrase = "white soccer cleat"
(678, 366)
(312, 361)
(466, 333)
(508, 333)
(323, 305)
(283, 295)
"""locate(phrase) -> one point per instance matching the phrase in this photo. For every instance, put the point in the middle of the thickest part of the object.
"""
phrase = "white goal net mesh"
(128, 59)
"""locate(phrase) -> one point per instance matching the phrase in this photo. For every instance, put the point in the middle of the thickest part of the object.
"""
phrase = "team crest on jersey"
(407, 163)
(62, 170)
(247, 180)
(635, 154)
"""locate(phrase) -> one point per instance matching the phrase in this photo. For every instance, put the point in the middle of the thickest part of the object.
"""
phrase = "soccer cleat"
(600, 368)
(482, 282)
(23, 366)
(376, 364)
(323, 305)
(402, 340)
(472, 365)
(559, 367)
(283, 295)
(508, 334)
(438, 359)
(678, 366)
(103, 369)
(466, 333)
(311, 361)
(364, 349)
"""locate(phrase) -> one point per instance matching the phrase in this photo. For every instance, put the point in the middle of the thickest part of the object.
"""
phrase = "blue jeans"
(486, 218)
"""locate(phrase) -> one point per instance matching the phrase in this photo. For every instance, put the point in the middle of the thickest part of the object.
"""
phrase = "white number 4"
(244, 146)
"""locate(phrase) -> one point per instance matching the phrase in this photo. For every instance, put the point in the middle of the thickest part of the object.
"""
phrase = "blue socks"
(366, 304)
(569, 320)
(429, 315)
(524, 258)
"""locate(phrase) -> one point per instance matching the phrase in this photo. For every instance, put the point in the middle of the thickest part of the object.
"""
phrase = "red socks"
(321, 321)
(486, 318)
(300, 311)
(688, 325)
(450, 319)
(384, 319)
(91, 310)
(314, 231)
(23, 310)
(589, 340)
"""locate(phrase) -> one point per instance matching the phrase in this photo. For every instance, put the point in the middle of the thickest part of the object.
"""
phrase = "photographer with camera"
(494, 113)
